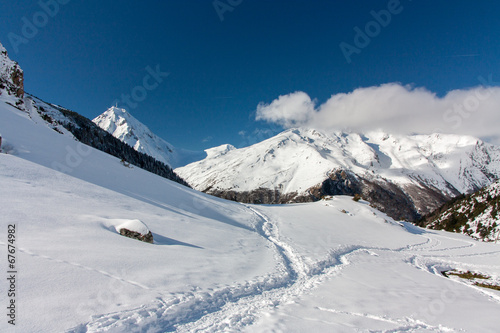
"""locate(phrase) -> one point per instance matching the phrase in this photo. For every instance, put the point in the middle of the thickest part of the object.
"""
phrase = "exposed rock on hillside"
(476, 215)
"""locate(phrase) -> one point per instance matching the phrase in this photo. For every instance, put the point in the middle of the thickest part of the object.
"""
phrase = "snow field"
(384, 285)
(73, 266)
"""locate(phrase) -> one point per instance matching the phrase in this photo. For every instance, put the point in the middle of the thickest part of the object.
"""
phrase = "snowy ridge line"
(123, 126)
(136, 284)
(304, 164)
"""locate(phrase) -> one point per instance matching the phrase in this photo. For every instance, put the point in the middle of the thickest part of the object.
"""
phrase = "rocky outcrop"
(384, 196)
(135, 229)
(259, 196)
(408, 203)
(11, 76)
(148, 238)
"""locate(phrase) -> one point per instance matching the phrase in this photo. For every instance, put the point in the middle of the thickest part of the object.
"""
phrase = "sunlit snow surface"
(329, 266)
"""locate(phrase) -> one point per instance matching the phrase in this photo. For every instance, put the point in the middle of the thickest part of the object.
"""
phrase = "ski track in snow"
(60, 261)
(404, 325)
(234, 307)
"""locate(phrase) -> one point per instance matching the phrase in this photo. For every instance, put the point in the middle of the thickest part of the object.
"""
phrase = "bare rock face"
(148, 238)
(17, 77)
(11, 75)
(407, 204)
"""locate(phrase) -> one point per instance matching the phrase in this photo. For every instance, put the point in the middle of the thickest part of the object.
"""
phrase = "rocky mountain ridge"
(11, 78)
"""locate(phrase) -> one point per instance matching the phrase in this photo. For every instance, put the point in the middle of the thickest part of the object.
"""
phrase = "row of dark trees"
(90, 134)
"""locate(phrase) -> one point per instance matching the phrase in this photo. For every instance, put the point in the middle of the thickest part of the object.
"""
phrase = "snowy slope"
(74, 263)
(123, 126)
(297, 161)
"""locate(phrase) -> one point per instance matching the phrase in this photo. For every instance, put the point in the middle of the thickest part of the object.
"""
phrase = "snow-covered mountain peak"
(302, 134)
(119, 121)
(126, 128)
(219, 150)
(123, 126)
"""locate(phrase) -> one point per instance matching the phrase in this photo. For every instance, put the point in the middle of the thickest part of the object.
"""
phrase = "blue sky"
(91, 52)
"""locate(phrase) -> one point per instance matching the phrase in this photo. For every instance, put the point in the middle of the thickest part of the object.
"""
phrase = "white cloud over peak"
(288, 110)
(394, 108)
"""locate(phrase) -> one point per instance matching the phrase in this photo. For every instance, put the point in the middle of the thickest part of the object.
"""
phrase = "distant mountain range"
(404, 176)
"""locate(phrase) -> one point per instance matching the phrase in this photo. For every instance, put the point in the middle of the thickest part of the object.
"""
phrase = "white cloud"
(394, 108)
(288, 110)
